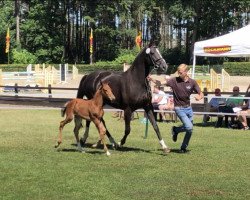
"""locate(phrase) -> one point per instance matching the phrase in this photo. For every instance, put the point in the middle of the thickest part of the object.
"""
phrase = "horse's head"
(156, 58)
(107, 91)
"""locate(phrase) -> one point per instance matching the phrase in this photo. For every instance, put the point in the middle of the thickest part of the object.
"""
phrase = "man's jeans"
(186, 117)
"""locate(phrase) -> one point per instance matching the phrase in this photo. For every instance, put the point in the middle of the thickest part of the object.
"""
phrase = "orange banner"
(217, 49)
(91, 41)
(7, 49)
(138, 40)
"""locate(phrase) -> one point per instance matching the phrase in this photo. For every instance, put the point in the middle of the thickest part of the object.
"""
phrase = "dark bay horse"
(131, 90)
(91, 110)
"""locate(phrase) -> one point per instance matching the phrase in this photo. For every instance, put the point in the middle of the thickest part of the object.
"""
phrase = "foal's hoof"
(166, 150)
(58, 144)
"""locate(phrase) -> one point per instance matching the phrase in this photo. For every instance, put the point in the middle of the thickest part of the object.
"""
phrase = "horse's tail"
(80, 92)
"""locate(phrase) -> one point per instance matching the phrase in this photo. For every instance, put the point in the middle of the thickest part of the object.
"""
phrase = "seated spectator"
(213, 105)
(245, 111)
(161, 101)
(228, 108)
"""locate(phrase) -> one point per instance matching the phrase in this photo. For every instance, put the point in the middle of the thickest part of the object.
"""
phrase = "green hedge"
(233, 68)
(237, 68)
(82, 68)
(13, 67)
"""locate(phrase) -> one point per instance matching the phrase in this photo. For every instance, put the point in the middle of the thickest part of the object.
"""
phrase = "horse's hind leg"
(62, 124)
(86, 132)
(78, 125)
(127, 118)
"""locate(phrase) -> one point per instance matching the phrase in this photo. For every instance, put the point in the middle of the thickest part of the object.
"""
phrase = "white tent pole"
(194, 62)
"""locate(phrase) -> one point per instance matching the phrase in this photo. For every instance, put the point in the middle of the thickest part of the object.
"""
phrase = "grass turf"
(217, 167)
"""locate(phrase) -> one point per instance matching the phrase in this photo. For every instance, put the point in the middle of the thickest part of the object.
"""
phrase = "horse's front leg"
(127, 118)
(150, 115)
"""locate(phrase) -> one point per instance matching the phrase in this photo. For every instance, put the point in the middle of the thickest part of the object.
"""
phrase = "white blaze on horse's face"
(159, 61)
(157, 50)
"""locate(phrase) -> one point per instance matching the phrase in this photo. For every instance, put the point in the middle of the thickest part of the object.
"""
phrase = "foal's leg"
(86, 133)
(102, 130)
(78, 125)
(127, 118)
(68, 119)
(111, 139)
(149, 112)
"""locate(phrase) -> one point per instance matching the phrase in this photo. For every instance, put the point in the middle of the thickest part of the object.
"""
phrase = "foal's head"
(106, 91)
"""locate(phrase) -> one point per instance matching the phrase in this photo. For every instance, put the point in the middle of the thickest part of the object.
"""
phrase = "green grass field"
(217, 167)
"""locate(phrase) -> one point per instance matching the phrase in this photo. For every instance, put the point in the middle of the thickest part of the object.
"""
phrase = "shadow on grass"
(208, 124)
(178, 151)
(110, 147)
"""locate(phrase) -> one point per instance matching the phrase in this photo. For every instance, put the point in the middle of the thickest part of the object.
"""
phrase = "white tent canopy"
(234, 44)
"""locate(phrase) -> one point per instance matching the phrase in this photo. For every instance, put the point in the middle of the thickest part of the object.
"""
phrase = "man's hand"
(199, 96)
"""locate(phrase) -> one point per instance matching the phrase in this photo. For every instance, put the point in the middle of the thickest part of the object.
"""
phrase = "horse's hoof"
(166, 150)
(80, 150)
(82, 142)
(108, 153)
(115, 146)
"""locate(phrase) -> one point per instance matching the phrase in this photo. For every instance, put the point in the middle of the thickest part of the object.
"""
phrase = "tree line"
(54, 31)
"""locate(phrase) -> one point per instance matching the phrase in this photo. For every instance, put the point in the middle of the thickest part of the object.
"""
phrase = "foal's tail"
(70, 105)
(63, 109)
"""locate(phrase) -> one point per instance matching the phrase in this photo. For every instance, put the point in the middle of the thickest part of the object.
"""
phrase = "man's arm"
(157, 82)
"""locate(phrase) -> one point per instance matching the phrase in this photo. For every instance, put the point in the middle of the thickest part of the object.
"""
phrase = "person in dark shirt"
(183, 86)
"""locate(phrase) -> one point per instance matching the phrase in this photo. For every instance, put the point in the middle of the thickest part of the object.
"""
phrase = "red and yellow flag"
(7, 49)
(91, 41)
(138, 40)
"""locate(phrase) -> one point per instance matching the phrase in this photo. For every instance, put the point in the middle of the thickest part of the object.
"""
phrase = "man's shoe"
(183, 151)
(174, 134)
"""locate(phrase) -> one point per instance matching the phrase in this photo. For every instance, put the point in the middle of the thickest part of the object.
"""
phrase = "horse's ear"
(151, 43)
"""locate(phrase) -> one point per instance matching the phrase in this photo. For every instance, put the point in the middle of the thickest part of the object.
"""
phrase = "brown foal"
(91, 110)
